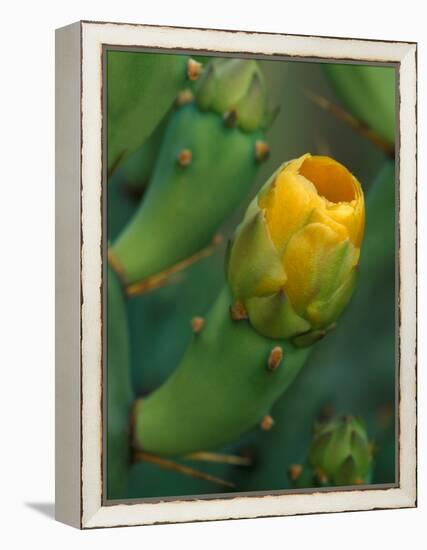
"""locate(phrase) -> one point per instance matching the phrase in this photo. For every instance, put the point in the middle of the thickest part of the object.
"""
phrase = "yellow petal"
(319, 215)
(331, 179)
(359, 225)
(341, 191)
(343, 214)
(306, 262)
(288, 205)
(313, 188)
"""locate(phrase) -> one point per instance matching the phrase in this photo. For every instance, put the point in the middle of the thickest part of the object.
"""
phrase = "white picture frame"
(79, 274)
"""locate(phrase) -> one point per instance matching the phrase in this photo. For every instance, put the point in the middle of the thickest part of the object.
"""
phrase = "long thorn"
(163, 278)
(357, 125)
(220, 458)
(167, 464)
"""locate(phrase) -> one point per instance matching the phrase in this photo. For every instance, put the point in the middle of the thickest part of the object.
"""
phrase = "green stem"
(222, 388)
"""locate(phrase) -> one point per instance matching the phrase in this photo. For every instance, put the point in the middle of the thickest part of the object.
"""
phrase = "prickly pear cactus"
(205, 159)
(201, 369)
(160, 321)
(138, 167)
(369, 93)
(141, 88)
(128, 183)
(233, 371)
(226, 383)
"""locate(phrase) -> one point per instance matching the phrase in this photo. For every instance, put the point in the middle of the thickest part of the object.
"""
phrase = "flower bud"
(235, 89)
(293, 260)
(341, 453)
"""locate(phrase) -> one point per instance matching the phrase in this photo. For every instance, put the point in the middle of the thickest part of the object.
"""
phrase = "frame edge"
(67, 275)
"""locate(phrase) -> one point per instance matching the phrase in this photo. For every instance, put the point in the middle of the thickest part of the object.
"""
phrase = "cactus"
(138, 167)
(232, 373)
(369, 94)
(128, 182)
(165, 315)
(234, 360)
(222, 387)
(140, 163)
(340, 454)
(205, 159)
(141, 88)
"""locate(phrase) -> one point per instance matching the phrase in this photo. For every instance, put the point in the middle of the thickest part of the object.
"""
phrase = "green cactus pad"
(164, 315)
(128, 183)
(141, 88)
(221, 388)
(138, 167)
(185, 204)
(369, 93)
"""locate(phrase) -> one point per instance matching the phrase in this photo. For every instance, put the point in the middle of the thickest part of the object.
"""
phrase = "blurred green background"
(352, 371)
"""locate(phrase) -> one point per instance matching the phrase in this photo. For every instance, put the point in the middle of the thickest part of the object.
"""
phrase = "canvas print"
(250, 284)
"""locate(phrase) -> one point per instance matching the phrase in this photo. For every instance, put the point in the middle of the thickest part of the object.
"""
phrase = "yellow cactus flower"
(293, 261)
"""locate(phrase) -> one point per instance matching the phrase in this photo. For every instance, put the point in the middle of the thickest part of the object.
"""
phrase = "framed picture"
(236, 274)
